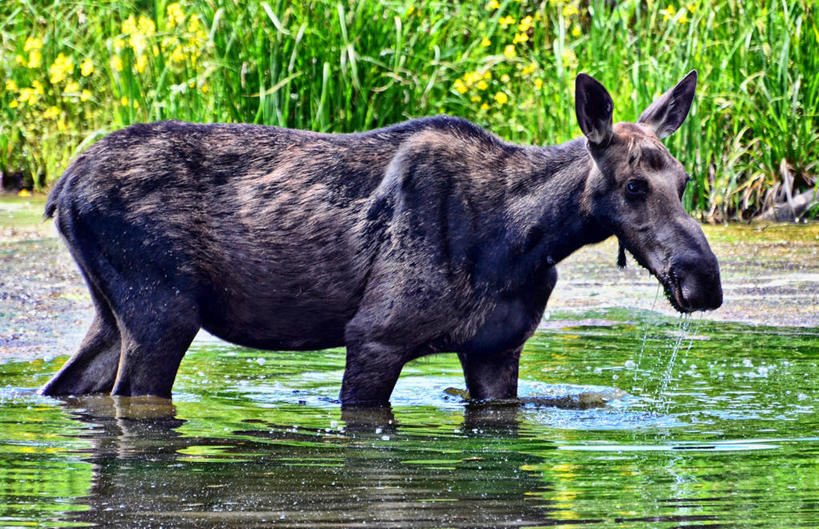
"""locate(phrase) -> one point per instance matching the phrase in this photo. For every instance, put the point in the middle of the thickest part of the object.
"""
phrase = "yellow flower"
(570, 11)
(146, 25)
(475, 99)
(670, 13)
(692, 7)
(24, 193)
(506, 21)
(51, 113)
(471, 78)
(138, 31)
(177, 55)
(141, 63)
(487, 75)
(575, 31)
(529, 69)
(509, 51)
(11, 85)
(525, 24)
(205, 88)
(119, 44)
(28, 96)
(520, 37)
(85, 95)
(32, 43)
(194, 24)
(72, 87)
(505, 78)
(19, 59)
(460, 87)
(35, 59)
(485, 106)
(116, 63)
(501, 98)
(538, 83)
(492, 5)
(38, 87)
(482, 85)
(87, 67)
(175, 15)
(123, 101)
(14, 103)
(485, 43)
(129, 25)
(60, 69)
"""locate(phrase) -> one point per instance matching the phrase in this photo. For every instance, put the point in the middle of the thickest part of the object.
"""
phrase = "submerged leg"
(93, 367)
(153, 346)
(491, 375)
(370, 374)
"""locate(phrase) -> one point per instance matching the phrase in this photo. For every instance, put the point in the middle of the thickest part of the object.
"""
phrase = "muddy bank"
(770, 277)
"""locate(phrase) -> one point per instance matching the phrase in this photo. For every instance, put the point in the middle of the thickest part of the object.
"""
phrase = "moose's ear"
(667, 113)
(594, 107)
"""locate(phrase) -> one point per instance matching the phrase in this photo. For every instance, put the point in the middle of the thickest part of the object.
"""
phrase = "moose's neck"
(558, 223)
(542, 207)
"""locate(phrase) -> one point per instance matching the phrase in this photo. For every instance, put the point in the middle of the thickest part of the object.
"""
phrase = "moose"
(428, 236)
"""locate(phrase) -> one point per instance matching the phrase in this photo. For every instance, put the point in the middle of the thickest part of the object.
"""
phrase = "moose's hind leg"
(93, 367)
(154, 342)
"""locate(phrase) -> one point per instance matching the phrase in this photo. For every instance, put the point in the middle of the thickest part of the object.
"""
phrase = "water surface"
(611, 433)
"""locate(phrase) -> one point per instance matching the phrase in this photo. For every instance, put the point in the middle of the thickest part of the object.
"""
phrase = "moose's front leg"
(490, 359)
(491, 375)
(371, 372)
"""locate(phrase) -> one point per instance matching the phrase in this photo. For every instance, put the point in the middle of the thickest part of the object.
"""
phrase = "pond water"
(628, 419)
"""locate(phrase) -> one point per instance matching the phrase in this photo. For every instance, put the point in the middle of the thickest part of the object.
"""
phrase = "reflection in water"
(365, 472)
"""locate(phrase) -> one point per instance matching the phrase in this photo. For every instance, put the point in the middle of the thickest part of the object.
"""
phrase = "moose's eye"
(636, 188)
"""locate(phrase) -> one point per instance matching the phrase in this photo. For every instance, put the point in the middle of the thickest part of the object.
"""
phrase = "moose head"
(635, 188)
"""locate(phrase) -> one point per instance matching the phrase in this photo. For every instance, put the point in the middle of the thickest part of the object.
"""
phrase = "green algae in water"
(258, 439)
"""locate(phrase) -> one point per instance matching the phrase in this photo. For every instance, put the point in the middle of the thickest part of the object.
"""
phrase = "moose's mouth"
(684, 300)
(672, 287)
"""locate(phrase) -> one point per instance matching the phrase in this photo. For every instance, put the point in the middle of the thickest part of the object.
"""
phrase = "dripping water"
(647, 327)
(681, 335)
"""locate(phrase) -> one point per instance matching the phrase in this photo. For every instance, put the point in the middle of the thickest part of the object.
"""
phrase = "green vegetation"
(75, 70)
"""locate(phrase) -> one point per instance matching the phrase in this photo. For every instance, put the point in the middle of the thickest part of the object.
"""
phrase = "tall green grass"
(353, 65)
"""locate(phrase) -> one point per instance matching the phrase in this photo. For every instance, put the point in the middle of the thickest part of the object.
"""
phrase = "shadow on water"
(609, 431)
